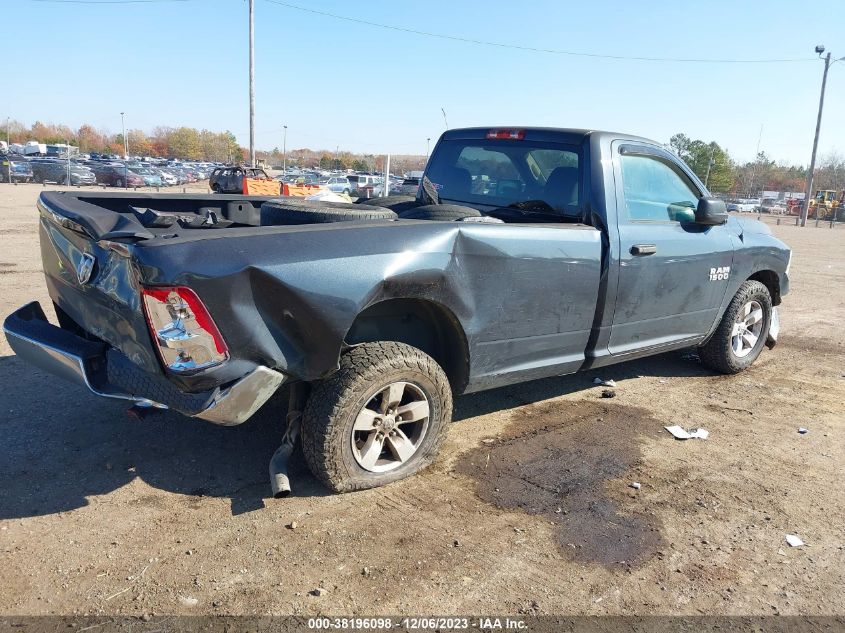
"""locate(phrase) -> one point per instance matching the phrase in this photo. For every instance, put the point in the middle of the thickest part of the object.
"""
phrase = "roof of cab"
(573, 136)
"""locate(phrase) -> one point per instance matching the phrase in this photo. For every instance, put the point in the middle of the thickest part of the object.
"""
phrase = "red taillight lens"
(185, 335)
(510, 135)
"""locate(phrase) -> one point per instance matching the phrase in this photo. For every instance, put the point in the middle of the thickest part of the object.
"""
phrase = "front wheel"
(380, 418)
(742, 332)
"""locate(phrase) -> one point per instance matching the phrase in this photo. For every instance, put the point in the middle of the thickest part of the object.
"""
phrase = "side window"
(654, 190)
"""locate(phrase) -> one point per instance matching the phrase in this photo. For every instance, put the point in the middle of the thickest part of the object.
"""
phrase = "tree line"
(165, 142)
(710, 161)
(722, 174)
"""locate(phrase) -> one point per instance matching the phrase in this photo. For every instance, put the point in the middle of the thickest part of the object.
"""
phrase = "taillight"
(511, 135)
(182, 329)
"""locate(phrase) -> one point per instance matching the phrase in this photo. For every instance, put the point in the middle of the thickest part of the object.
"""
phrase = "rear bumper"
(108, 373)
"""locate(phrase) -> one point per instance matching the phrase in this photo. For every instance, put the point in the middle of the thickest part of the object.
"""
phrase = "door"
(673, 273)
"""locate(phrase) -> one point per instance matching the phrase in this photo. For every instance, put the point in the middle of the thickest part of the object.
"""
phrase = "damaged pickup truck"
(527, 253)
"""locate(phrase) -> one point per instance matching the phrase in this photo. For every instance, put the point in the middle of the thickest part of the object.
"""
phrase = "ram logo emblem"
(720, 274)
(85, 267)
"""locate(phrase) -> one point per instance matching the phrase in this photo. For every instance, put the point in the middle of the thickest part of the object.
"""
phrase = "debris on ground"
(794, 541)
(318, 592)
(292, 525)
(188, 601)
(604, 383)
(608, 393)
(636, 485)
(680, 433)
(802, 430)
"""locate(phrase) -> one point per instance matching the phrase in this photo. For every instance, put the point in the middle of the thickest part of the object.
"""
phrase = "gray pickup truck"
(526, 253)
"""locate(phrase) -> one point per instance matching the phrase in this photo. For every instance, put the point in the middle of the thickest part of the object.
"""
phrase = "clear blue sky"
(185, 63)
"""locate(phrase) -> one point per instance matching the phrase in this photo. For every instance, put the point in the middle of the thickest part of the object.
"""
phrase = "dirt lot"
(528, 510)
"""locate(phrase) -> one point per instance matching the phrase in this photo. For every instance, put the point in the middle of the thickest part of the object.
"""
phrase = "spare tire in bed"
(443, 212)
(286, 211)
(397, 203)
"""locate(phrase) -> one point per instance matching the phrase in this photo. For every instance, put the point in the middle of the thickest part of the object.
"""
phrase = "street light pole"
(252, 83)
(805, 209)
(285, 151)
(427, 145)
(125, 142)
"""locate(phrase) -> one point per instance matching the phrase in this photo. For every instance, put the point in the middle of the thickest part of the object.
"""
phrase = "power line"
(533, 49)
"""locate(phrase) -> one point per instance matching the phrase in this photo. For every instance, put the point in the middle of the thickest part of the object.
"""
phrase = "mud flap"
(774, 329)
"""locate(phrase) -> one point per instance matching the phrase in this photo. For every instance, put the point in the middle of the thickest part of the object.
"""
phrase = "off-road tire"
(397, 203)
(334, 403)
(717, 353)
(287, 211)
(441, 212)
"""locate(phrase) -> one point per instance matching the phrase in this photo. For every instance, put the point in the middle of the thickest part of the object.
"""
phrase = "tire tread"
(322, 420)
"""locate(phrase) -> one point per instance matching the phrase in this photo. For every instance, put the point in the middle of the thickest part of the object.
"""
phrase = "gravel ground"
(528, 510)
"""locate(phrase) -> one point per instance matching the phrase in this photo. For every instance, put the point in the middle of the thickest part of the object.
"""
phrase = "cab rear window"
(505, 172)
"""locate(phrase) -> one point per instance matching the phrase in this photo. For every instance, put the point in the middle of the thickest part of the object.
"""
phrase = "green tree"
(185, 143)
(710, 162)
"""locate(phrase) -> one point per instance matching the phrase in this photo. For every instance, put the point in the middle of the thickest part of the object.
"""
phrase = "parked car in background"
(771, 205)
(116, 175)
(231, 179)
(298, 179)
(15, 169)
(58, 171)
(338, 184)
(168, 178)
(359, 182)
(150, 176)
(407, 187)
(743, 205)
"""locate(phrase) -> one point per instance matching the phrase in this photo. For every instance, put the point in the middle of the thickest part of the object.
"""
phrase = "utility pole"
(125, 141)
(808, 188)
(252, 83)
(285, 151)
(8, 139)
(427, 145)
(336, 163)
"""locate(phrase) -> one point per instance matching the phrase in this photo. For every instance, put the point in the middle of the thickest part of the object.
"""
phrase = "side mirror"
(711, 211)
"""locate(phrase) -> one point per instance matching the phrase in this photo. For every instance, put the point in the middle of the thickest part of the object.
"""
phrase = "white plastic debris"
(802, 430)
(189, 601)
(680, 433)
(325, 195)
(605, 383)
(794, 541)
(636, 485)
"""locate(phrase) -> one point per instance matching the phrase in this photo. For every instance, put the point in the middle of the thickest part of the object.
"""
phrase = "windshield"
(501, 173)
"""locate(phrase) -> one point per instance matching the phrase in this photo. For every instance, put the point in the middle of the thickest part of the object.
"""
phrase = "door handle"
(643, 249)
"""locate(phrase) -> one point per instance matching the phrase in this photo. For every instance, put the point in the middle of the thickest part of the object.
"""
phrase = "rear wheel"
(380, 418)
(742, 332)
(118, 182)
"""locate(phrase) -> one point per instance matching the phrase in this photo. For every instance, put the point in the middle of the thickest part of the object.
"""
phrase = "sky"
(368, 89)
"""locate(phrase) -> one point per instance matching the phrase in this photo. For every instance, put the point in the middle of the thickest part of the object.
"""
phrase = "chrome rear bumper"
(86, 363)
